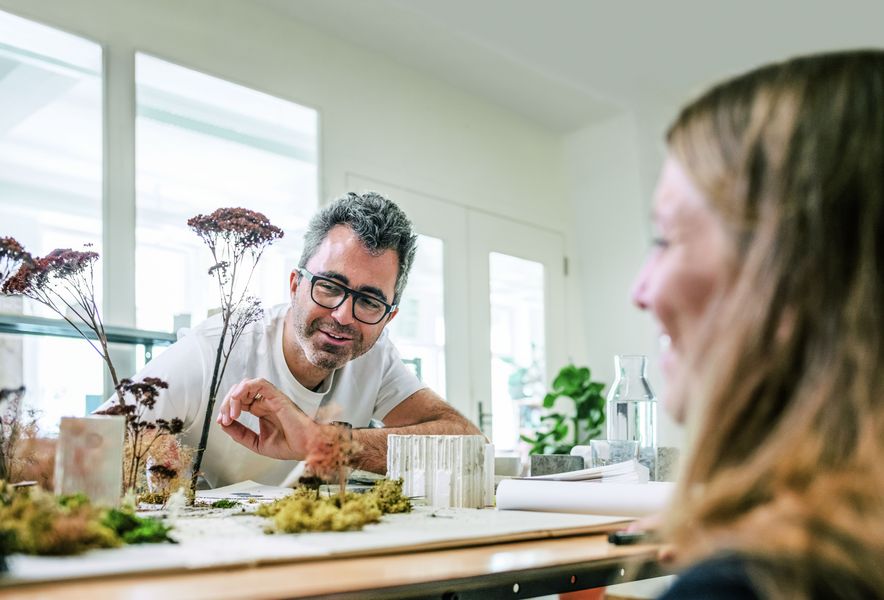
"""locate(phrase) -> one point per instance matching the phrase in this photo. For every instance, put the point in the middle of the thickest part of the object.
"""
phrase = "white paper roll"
(592, 498)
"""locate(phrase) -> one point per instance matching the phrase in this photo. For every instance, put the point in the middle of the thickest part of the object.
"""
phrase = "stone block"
(547, 464)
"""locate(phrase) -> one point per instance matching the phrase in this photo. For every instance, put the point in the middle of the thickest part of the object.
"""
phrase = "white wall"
(610, 201)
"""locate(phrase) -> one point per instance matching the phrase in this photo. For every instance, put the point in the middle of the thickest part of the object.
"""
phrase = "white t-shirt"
(367, 387)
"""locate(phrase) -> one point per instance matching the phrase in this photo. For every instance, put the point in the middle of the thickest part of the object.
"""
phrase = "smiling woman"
(769, 278)
(688, 269)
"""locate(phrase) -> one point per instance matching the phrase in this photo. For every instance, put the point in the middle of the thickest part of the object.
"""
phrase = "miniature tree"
(168, 465)
(329, 454)
(141, 433)
(236, 237)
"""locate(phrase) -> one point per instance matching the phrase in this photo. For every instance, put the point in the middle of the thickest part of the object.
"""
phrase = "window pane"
(65, 388)
(50, 183)
(418, 330)
(518, 369)
(50, 193)
(205, 143)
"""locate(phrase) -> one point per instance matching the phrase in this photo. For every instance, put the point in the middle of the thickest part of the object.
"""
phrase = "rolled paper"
(584, 497)
(89, 458)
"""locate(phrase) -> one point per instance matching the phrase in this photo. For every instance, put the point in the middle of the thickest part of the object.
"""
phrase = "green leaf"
(596, 388)
(561, 430)
(576, 384)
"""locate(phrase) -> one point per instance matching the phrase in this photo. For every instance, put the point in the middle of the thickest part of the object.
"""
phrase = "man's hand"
(284, 429)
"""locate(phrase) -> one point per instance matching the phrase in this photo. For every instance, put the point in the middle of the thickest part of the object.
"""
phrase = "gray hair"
(376, 220)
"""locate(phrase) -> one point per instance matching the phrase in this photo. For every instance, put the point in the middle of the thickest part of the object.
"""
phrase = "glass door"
(517, 319)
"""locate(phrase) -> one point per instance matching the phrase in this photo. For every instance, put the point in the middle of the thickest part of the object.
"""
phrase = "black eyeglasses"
(328, 293)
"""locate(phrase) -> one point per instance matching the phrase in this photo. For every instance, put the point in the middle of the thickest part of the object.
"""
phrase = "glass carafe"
(632, 408)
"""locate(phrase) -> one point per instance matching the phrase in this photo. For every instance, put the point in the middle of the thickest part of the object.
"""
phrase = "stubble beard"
(327, 356)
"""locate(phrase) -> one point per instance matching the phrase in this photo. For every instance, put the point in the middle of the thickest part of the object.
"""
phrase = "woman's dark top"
(721, 578)
(726, 577)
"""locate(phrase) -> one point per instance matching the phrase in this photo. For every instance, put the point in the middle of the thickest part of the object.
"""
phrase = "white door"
(517, 320)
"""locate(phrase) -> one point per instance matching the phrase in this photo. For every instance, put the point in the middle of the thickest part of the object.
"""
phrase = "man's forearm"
(373, 455)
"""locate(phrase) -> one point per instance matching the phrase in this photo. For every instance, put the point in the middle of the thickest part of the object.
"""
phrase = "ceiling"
(566, 63)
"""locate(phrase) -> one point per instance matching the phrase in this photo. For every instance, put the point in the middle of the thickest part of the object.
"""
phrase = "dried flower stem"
(11, 428)
(141, 433)
(232, 235)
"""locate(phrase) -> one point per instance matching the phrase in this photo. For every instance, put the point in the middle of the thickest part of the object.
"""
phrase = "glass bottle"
(632, 408)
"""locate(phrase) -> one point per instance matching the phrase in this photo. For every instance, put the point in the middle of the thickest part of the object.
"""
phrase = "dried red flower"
(63, 281)
(248, 228)
(28, 277)
(64, 262)
(12, 255)
(10, 247)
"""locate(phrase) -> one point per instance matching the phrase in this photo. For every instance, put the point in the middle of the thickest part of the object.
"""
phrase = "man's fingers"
(235, 406)
(224, 411)
(231, 406)
(243, 396)
(227, 412)
(283, 427)
(242, 435)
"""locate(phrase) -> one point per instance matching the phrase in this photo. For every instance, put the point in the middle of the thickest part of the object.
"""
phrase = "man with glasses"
(324, 356)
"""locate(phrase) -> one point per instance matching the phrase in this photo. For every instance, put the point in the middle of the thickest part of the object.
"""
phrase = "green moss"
(73, 501)
(133, 529)
(36, 522)
(305, 511)
(39, 523)
(224, 503)
(388, 495)
(152, 498)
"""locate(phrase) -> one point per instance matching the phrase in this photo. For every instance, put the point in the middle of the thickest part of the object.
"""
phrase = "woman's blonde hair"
(786, 388)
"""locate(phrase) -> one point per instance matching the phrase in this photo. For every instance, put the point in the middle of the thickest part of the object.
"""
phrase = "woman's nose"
(639, 292)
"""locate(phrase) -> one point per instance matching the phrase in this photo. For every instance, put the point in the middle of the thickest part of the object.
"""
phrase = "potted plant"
(564, 430)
